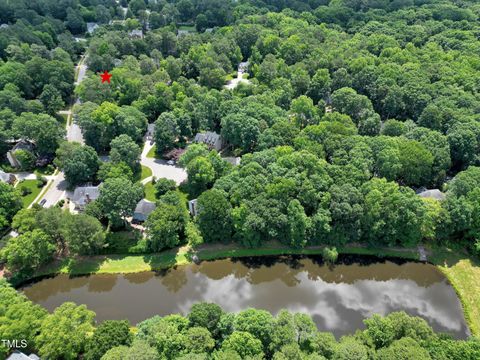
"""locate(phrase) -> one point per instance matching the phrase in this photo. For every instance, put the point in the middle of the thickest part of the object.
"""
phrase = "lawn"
(143, 174)
(146, 172)
(150, 191)
(465, 278)
(189, 28)
(35, 190)
(153, 152)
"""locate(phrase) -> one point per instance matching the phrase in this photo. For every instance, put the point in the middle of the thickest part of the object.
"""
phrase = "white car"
(170, 162)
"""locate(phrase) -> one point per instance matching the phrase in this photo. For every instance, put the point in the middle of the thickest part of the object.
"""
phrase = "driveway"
(160, 169)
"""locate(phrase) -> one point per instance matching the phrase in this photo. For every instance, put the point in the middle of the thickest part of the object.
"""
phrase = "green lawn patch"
(153, 152)
(146, 172)
(119, 242)
(463, 272)
(150, 191)
(31, 185)
(189, 28)
(465, 279)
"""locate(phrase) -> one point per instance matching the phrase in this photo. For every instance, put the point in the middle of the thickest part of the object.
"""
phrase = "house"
(83, 195)
(21, 145)
(143, 209)
(192, 207)
(432, 194)
(91, 27)
(136, 34)
(17, 355)
(211, 139)
(7, 177)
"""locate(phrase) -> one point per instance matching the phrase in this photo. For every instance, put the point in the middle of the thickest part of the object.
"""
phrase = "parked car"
(170, 162)
(41, 203)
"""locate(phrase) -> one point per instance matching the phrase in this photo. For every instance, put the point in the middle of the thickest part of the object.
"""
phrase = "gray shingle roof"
(17, 355)
(432, 194)
(143, 209)
(84, 194)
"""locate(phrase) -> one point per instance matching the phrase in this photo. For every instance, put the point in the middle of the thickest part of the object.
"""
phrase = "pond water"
(338, 298)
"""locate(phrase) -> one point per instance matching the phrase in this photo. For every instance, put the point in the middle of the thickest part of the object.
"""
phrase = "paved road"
(159, 168)
(74, 133)
(57, 186)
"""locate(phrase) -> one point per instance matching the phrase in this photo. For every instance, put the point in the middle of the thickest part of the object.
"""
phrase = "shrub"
(330, 255)
(25, 190)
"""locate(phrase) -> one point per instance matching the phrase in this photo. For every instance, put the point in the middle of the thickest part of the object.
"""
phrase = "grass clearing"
(149, 189)
(465, 278)
(32, 186)
(189, 28)
(146, 172)
(153, 152)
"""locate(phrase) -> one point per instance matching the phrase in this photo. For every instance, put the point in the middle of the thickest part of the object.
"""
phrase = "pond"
(338, 298)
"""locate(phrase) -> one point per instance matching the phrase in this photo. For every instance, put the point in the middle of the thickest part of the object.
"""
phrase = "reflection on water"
(337, 298)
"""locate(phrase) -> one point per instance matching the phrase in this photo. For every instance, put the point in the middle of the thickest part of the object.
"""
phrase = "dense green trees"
(118, 198)
(109, 334)
(124, 149)
(44, 232)
(102, 123)
(10, 203)
(28, 251)
(63, 334)
(78, 162)
(165, 226)
(214, 216)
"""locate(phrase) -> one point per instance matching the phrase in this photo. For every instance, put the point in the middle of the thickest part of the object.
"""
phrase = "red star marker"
(105, 76)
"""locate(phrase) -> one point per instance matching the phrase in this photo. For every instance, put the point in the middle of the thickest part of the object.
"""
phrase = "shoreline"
(125, 264)
(135, 263)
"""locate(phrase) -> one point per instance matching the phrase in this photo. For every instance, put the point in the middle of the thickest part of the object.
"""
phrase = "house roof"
(6, 177)
(136, 32)
(81, 194)
(143, 209)
(432, 194)
(208, 137)
(91, 26)
(17, 355)
(23, 145)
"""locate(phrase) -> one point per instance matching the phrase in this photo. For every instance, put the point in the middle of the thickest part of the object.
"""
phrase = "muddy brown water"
(338, 298)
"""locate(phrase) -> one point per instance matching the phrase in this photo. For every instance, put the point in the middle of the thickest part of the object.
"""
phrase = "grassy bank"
(182, 256)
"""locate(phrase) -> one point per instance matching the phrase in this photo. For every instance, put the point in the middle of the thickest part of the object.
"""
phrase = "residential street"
(58, 186)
